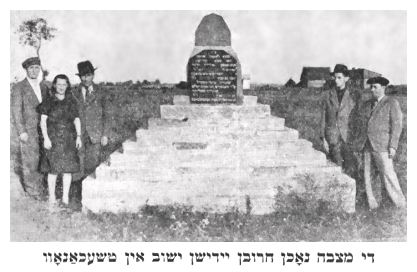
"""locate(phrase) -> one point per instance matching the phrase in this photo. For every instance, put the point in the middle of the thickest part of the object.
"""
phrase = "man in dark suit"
(337, 105)
(95, 127)
(26, 95)
(379, 142)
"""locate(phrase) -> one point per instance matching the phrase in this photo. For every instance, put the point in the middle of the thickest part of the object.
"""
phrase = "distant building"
(168, 85)
(290, 83)
(246, 81)
(314, 77)
(360, 76)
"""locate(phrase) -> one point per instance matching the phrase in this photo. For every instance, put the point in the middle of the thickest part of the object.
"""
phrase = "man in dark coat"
(337, 106)
(26, 95)
(95, 127)
(378, 139)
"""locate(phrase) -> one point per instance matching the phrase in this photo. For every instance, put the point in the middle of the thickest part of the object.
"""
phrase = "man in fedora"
(26, 95)
(336, 128)
(379, 141)
(93, 111)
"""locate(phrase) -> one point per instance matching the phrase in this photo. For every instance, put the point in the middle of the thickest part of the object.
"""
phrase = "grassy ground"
(30, 220)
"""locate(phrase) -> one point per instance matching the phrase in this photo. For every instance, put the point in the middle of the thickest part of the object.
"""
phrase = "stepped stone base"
(216, 158)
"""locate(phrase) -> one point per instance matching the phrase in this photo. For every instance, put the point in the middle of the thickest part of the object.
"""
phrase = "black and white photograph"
(208, 126)
(214, 136)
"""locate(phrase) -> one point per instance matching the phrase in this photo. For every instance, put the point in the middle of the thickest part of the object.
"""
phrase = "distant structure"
(290, 83)
(319, 77)
(360, 76)
(314, 77)
(246, 81)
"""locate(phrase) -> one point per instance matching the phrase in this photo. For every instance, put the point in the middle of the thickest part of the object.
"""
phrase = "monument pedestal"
(215, 158)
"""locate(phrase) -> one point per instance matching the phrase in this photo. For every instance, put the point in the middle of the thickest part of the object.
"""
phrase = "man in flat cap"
(26, 95)
(95, 127)
(379, 142)
(337, 105)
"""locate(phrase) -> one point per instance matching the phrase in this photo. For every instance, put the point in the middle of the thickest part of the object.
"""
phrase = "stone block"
(215, 196)
(216, 112)
(298, 146)
(250, 100)
(267, 158)
(268, 123)
(167, 137)
(181, 100)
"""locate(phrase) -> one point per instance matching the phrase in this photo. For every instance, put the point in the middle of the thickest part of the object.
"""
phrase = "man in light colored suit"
(337, 105)
(383, 133)
(26, 95)
(95, 127)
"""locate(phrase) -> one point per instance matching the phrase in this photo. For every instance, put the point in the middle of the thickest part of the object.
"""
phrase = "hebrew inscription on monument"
(213, 77)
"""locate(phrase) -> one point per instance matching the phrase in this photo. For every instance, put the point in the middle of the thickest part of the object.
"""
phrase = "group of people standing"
(60, 131)
(361, 134)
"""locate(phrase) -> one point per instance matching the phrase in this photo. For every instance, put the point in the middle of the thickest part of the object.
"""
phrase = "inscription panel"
(213, 77)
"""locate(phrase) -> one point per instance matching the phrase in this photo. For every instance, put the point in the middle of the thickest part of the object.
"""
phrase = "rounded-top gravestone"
(212, 31)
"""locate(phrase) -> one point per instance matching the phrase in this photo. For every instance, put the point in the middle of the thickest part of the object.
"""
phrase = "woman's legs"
(66, 181)
(51, 188)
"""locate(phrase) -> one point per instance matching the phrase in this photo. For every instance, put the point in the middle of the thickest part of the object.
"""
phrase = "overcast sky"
(272, 46)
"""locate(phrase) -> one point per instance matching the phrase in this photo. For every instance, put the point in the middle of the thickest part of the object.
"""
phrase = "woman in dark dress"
(61, 130)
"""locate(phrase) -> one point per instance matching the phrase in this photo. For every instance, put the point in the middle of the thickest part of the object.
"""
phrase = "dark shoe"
(34, 196)
(75, 206)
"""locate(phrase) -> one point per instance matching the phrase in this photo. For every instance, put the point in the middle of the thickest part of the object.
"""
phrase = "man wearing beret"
(337, 105)
(26, 95)
(95, 127)
(379, 142)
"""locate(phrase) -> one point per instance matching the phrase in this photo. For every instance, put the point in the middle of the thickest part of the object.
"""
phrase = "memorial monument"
(213, 70)
(216, 150)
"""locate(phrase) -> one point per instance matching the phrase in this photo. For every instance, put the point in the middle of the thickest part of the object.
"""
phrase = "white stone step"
(295, 145)
(139, 147)
(217, 195)
(163, 171)
(209, 131)
(228, 180)
(156, 174)
(198, 111)
(251, 172)
(168, 136)
(255, 159)
(186, 151)
(218, 183)
(130, 197)
(129, 201)
(130, 190)
(328, 168)
(268, 123)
